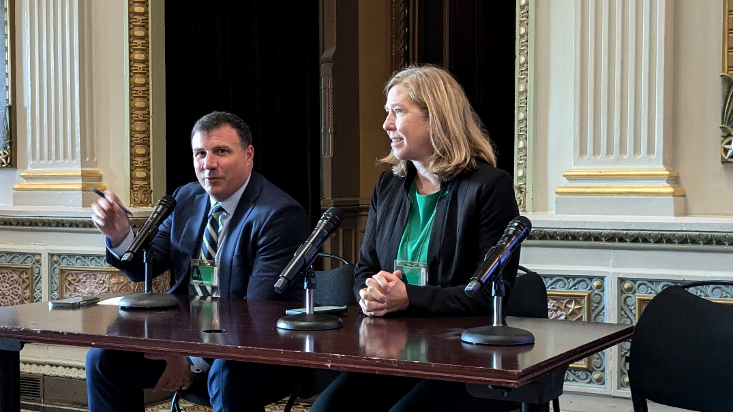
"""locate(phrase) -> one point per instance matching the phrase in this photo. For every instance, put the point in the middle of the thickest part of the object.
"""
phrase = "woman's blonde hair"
(456, 133)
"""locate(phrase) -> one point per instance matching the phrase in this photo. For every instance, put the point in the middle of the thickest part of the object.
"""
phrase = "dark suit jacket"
(262, 236)
(468, 221)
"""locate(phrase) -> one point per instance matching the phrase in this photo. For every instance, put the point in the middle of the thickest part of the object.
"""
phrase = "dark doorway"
(475, 41)
(259, 60)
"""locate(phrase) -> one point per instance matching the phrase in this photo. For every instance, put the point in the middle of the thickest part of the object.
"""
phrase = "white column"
(54, 110)
(623, 84)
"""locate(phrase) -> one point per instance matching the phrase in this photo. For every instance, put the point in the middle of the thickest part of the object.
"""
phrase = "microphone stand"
(497, 334)
(148, 300)
(310, 320)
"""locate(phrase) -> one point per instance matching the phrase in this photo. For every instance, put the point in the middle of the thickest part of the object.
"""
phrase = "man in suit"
(259, 229)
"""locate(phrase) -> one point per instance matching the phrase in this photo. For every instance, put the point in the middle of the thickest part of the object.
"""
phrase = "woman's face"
(407, 127)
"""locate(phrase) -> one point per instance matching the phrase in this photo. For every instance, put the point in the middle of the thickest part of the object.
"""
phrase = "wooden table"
(245, 330)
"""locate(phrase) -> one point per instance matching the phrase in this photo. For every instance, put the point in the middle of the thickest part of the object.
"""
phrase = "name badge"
(204, 278)
(415, 273)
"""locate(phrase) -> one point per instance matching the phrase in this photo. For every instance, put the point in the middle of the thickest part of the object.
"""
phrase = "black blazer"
(263, 234)
(469, 220)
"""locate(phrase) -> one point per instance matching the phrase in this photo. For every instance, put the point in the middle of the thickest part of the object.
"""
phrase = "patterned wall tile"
(20, 278)
(579, 298)
(85, 275)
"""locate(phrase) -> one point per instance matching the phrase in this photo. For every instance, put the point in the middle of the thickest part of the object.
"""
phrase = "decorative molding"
(727, 37)
(6, 151)
(633, 237)
(56, 187)
(620, 174)
(522, 105)
(621, 190)
(726, 85)
(726, 119)
(52, 370)
(399, 21)
(140, 144)
(56, 223)
(63, 174)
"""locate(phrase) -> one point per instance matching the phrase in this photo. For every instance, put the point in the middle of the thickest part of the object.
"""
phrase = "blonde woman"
(432, 219)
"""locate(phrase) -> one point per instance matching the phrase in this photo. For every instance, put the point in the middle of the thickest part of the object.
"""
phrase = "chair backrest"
(335, 286)
(528, 295)
(682, 351)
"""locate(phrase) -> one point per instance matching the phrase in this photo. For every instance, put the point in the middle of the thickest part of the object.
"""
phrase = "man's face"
(221, 164)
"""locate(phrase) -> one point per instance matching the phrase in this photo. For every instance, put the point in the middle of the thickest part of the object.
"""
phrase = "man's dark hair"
(215, 120)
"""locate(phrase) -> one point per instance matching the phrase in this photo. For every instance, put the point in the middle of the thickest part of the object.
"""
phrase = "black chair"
(333, 287)
(528, 299)
(680, 354)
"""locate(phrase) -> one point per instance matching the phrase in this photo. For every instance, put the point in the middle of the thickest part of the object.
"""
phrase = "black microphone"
(498, 256)
(305, 254)
(165, 206)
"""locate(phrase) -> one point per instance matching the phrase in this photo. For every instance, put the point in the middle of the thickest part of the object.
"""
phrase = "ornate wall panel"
(80, 281)
(75, 275)
(570, 306)
(139, 38)
(575, 298)
(522, 109)
(635, 294)
(20, 278)
(16, 284)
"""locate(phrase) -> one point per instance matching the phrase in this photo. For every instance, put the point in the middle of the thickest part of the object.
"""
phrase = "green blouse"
(416, 237)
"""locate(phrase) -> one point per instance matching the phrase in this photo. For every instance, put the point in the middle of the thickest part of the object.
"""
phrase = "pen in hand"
(101, 194)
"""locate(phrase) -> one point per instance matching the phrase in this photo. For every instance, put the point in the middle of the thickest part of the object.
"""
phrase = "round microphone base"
(312, 321)
(497, 336)
(148, 301)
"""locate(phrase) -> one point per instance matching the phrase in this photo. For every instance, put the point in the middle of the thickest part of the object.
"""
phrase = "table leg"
(10, 372)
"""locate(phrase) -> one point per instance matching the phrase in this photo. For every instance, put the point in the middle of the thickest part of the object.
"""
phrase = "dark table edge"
(321, 361)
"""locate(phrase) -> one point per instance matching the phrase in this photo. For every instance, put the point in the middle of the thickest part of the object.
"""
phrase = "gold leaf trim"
(56, 187)
(139, 89)
(626, 190)
(620, 174)
(61, 174)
